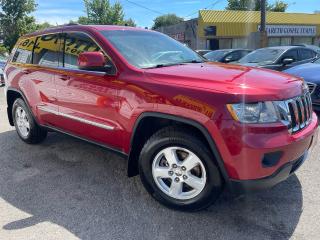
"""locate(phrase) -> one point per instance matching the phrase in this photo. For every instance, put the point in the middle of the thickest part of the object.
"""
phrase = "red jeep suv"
(187, 127)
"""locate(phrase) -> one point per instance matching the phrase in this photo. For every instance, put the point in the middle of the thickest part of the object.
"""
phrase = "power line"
(211, 5)
(141, 6)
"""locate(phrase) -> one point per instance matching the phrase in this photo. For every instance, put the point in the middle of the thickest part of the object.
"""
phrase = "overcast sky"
(62, 11)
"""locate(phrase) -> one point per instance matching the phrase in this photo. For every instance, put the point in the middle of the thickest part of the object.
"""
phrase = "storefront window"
(302, 40)
(240, 43)
(225, 43)
(274, 42)
(285, 41)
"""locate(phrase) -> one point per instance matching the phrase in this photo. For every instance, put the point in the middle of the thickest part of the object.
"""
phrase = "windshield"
(146, 49)
(216, 55)
(265, 55)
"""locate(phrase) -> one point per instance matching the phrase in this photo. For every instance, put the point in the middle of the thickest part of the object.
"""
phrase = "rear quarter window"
(22, 52)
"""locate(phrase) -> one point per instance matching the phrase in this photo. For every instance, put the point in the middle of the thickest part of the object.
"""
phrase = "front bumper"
(280, 175)
(246, 186)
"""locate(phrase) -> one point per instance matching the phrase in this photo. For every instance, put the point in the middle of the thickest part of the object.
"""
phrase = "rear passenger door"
(88, 100)
(47, 58)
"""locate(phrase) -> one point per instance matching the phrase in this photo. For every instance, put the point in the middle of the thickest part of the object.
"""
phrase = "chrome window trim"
(72, 69)
(78, 119)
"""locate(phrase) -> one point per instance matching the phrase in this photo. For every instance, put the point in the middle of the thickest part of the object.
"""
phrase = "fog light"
(271, 159)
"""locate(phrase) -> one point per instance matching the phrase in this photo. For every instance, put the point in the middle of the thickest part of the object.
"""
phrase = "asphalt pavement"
(65, 188)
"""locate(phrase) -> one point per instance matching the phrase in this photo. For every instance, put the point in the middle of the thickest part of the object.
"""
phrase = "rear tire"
(179, 171)
(27, 128)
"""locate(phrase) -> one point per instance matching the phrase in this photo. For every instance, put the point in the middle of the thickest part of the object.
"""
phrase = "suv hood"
(256, 84)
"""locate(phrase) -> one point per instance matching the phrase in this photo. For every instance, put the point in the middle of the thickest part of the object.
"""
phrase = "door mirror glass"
(287, 61)
(93, 61)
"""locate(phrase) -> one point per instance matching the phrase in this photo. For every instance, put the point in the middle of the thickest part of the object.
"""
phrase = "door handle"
(65, 77)
(26, 71)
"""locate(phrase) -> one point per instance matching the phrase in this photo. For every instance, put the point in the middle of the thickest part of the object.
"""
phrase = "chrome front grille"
(296, 113)
(312, 87)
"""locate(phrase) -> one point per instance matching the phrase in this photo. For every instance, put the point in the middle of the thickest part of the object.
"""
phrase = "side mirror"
(228, 59)
(93, 61)
(287, 61)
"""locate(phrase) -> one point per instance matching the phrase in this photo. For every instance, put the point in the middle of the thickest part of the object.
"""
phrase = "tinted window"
(47, 50)
(306, 54)
(244, 53)
(23, 51)
(291, 54)
(75, 44)
(234, 56)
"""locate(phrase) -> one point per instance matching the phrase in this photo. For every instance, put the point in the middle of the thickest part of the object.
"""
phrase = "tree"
(255, 5)
(3, 50)
(14, 20)
(101, 12)
(166, 20)
(279, 6)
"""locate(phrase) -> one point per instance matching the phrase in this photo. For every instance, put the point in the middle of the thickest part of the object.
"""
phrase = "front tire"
(179, 171)
(27, 128)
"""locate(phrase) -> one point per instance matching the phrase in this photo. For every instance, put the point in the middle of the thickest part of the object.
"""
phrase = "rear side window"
(306, 54)
(23, 51)
(47, 51)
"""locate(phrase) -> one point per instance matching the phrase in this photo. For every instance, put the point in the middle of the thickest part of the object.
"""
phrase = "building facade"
(239, 29)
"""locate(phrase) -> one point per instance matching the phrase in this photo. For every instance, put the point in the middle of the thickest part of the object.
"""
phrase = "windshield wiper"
(174, 64)
(163, 65)
(194, 61)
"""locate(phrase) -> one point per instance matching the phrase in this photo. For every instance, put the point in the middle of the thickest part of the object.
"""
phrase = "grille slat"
(299, 112)
(312, 87)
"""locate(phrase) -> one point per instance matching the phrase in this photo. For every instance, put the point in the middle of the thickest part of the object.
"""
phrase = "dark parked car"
(227, 55)
(2, 63)
(279, 58)
(311, 74)
(203, 52)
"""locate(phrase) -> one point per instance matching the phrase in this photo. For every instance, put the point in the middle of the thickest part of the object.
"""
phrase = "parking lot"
(69, 189)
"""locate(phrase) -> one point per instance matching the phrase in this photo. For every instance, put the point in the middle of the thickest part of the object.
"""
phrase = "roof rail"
(71, 24)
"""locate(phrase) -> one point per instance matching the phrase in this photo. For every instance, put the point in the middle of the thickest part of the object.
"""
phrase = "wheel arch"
(162, 117)
(11, 95)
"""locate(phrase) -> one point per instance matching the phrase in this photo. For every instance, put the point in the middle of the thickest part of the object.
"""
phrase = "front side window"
(234, 56)
(145, 49)
(293, 54)
(23, 51)
(47, 50)
(76, 43)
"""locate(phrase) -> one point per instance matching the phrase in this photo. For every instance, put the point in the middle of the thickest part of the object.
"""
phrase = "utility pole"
(263, 33)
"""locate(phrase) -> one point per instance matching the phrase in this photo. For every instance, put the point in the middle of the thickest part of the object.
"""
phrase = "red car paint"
(198, 92)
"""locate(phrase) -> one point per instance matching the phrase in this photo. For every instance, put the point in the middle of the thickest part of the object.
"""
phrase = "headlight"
(262, 112)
